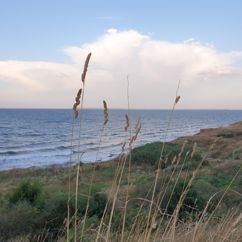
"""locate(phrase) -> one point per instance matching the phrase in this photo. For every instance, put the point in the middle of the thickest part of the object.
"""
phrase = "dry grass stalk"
(180, 202)
(161, 194)
(222, 197)
(194, 149)
(114, 189)
(116, 183)
(122, 162)
(137, 224)
(148, 230)
(174, 160)
(78, 99)
(132, 140)
(129, 169)
(94, 167)
(237, 220)
(76, 199)
(123, 147)
(181, 152)
(138, 123)
(69, 186)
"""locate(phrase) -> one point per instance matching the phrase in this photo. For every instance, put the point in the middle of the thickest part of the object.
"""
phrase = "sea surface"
(42, 137)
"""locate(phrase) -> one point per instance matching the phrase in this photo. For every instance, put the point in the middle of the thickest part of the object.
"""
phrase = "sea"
(45, 137)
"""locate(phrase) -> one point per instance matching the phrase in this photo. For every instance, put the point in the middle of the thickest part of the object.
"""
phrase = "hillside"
(220, 143)
(33, 201)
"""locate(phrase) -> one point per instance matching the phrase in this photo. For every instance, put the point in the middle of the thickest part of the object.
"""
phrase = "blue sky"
(48, 39)
(38, 29)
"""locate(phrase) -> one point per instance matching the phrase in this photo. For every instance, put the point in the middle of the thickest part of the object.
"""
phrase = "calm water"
(42, 137)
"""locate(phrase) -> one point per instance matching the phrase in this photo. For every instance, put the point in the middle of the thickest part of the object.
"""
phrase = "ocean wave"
(40, 150)
(11, 152)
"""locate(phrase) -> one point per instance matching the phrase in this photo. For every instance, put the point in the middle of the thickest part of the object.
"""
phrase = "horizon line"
(181, 109)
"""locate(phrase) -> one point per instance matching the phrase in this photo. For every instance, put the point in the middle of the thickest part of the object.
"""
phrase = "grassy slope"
(213, 177)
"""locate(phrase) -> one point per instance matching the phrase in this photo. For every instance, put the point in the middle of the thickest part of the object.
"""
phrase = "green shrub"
(35, 210)
(143, 184)
(193, 202)
(150, 153)
(130, 218)
(219, 180)
(21, 219)
(97, 205)
(55, 211)
(26, 191)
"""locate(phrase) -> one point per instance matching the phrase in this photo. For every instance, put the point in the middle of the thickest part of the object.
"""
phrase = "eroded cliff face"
(218, 143)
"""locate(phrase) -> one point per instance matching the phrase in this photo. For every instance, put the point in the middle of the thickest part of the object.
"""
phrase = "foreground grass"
(33, 201)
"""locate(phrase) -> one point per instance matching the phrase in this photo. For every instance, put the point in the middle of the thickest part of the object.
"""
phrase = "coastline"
(227, 136)
(42, 137)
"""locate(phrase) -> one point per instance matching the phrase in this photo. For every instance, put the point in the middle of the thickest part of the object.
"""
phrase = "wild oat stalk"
(171, 225)
(129, 153)
(78, 100)
(69, 185)
(148, 229)
(131, 143)
(218, 204)
(175, 162)
(116, 183)
(105, 114)
(75, 115)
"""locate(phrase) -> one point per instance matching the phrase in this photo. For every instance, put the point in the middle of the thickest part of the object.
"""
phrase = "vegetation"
(34, 202)
(150, 153)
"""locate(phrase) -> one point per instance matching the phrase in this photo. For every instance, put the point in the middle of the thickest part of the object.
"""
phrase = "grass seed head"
(127, 122)
(105, 112)
(177, 99)
(79, 93)
(86, 67)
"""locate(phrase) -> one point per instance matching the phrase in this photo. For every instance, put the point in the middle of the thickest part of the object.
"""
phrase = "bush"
(27, 191)
(201, 190)
(31, 210)
(193, 203)
(97, 205)
(55, 211)
(21, 219)
(150, 153)
(143, 184)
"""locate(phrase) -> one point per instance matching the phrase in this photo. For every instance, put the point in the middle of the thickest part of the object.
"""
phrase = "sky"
(155, 43)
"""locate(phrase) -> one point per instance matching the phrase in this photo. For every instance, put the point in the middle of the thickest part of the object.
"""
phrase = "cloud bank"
(209, 78)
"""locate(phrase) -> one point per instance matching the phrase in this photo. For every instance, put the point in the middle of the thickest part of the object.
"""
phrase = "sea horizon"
(139, 109)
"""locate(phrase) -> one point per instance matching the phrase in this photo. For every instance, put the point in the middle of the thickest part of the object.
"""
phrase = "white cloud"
(154, 68)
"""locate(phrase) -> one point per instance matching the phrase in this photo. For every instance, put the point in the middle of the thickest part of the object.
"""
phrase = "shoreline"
(57, 166)
(231, 131)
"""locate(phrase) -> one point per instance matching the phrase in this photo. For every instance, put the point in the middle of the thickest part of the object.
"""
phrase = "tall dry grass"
(150, 223)
(79, 99)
